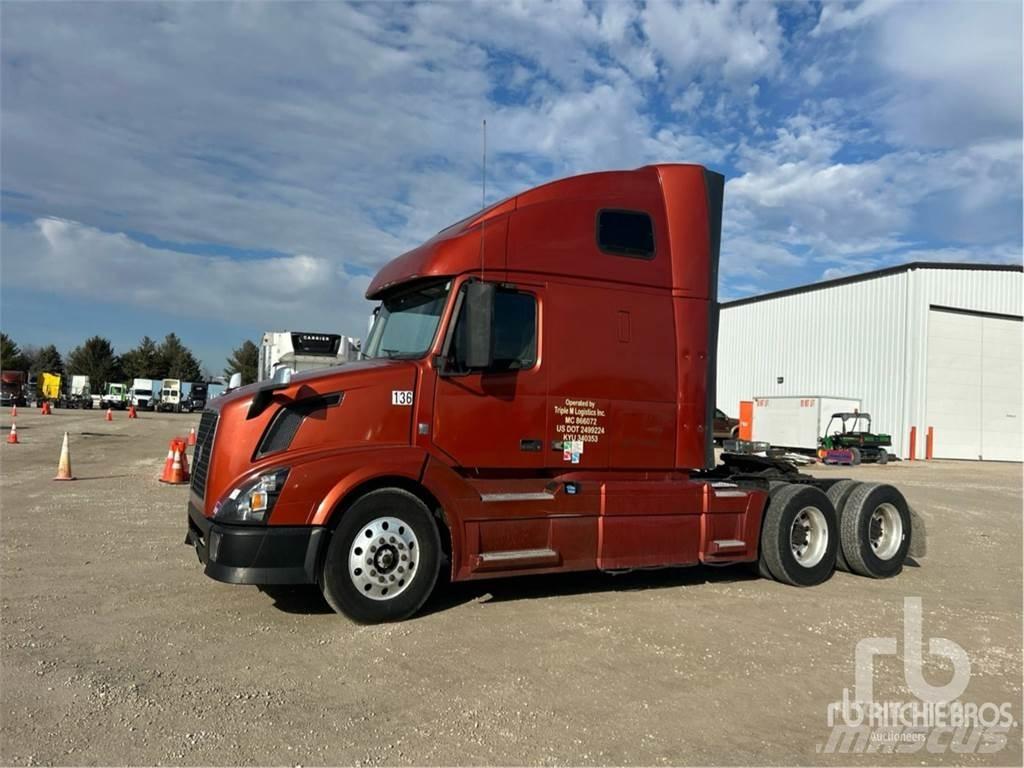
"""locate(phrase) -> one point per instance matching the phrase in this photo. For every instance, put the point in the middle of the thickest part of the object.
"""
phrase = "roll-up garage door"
(974, 385)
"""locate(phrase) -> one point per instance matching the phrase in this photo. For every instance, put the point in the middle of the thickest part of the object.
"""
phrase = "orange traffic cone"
(176, 475)
(14, 411)
(165, 476)
(131, 412)
(110, 414)
(64, 466)
(192, 436)
(46, 408)
(13, 437)
(184, 458)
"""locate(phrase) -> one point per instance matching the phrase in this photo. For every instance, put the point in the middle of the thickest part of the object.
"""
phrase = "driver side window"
(515, 333)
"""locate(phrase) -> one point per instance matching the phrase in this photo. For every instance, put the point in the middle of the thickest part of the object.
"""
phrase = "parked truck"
(79, 393)
(141, 394)
(302, 351)
(490, 433)
(12, 389)
(170, 395)
(115, 396)
(48, 387)
(195, 400)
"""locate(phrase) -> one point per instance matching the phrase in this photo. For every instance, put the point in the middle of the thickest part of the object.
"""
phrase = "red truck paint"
(627, 345)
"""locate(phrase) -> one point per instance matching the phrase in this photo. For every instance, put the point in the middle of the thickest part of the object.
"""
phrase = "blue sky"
(223, 169)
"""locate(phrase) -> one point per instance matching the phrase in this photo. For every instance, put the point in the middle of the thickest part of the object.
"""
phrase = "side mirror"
(479, 325)
(282, 375)
(235, 381)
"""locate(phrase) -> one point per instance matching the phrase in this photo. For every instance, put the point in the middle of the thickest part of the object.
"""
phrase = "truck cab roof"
(556, 228)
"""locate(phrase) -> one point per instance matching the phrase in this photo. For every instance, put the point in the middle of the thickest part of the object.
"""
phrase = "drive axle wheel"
(875, 530)
(383, 559)
(799, 536)
(838, 493)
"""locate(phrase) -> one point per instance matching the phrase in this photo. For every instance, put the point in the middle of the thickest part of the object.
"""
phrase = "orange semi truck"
(537, 396)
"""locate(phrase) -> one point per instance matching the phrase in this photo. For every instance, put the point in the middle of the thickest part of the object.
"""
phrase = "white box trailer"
(796, 422)
(303, 351)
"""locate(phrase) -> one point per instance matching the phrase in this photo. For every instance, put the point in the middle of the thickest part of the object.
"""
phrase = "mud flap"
(918, 535)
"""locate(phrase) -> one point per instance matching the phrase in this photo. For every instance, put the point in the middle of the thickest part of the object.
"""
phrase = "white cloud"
(72, 259)
(690, 99)
(741, 40)
(812, 75)
(944, 74)
(348, 133)
(837, 15)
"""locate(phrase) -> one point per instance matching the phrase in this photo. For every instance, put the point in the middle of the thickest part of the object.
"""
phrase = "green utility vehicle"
(848, 439)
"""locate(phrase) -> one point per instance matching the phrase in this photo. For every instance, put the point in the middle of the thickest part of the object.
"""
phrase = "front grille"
(204, 447)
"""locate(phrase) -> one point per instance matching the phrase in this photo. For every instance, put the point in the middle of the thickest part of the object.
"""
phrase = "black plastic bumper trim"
(242, 554)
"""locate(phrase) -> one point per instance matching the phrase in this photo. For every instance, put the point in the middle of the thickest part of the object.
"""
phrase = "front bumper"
(251, 554)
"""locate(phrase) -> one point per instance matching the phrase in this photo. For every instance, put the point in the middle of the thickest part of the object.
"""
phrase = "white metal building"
(921, 345)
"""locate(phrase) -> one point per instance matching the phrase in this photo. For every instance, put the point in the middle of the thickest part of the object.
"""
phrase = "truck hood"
(354, 374)
(319, 412)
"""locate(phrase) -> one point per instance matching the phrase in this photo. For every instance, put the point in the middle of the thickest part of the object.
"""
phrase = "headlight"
(252, 501)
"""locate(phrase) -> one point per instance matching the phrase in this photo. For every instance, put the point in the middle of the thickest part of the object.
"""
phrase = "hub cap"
(383, 557)
(808, 536)
(885, 531)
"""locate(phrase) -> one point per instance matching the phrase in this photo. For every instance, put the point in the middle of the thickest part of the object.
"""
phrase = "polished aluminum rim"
(382, 560)
(808, 536)
(885, 531)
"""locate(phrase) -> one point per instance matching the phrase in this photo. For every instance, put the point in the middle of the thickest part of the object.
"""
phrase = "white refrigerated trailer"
(303, 351)
(797, 422)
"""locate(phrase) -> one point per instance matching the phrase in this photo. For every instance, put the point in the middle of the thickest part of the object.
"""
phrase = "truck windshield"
(407, 321)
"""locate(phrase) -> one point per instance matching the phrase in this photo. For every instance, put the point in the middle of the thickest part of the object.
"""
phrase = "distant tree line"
(95, 358)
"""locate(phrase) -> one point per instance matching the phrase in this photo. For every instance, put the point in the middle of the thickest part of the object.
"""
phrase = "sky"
(221, 169)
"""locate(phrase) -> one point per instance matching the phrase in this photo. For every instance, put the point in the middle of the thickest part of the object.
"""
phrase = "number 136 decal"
(401, 397)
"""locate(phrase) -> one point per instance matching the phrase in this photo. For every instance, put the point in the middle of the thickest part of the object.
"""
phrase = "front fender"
(314, 488)
(403, 462)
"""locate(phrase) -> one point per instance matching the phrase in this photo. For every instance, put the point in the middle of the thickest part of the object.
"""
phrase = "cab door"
(495, 418)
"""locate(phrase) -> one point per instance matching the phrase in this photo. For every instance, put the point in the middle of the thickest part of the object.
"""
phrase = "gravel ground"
(117, 650)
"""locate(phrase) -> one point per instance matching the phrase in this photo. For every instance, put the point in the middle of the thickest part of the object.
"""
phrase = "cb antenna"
(483, 196)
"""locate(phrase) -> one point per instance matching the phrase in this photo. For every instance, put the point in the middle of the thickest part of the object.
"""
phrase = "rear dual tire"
(838, 493)
(875, 530)
(799, 536)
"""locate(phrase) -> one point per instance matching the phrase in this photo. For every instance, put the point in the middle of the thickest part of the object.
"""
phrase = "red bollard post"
(913, 443)
(929, 443)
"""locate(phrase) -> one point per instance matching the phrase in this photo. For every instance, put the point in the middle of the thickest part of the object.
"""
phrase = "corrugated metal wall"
(864, 340)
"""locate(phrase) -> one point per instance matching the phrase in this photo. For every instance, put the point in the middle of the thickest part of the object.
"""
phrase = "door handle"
(531, 446)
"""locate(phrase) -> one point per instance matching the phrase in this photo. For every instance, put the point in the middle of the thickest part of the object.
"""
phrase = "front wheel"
(383, 559)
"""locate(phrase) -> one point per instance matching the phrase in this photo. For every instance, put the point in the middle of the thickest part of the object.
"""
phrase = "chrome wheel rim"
(808, 536)
(885, 531)
(383, 558)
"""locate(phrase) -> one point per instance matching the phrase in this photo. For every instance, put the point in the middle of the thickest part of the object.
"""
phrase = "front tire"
(800, 536)
(383, 559)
